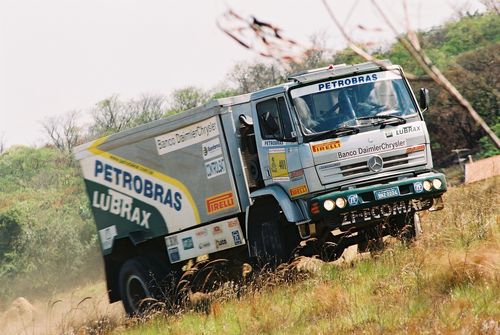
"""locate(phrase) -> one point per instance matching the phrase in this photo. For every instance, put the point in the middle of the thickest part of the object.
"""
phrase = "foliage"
(250, 77)
(488, 148)
(186, 98)
(46, 226)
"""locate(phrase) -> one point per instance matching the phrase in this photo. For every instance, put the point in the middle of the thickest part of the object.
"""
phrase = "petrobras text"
(345, 82)
(138, 184)
(167, 195)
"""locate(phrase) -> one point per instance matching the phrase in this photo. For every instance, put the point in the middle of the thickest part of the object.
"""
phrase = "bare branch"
(63, 131)
(426, 64)
(261, 37)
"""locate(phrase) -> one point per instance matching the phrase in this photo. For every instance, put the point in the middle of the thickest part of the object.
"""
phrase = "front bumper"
(378, 201)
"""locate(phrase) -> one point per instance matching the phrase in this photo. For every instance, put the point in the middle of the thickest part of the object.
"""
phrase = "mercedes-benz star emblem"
(375, 163)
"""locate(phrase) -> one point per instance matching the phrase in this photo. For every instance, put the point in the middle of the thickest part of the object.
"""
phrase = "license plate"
(386, 193)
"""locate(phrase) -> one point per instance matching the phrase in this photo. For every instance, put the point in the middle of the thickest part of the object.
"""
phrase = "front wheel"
(271, 238)
(409, 227)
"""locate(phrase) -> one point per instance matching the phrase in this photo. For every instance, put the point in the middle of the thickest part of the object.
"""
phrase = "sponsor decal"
(345, 82)
(186, 136)
(221, 243)
(415, 148)
(171, 241)
(204, 245)
(418, 187)
(173, 254)
(128, 181)
(121, 205)
(220, 202)
(199, 241)
(272, 143)
(382, 211)
(329, 166)
(215, 167)
(201, 232)
(107, 236)
(211, 149)
(386, 146)
(404, 130)
(231, 223)
(216, 230)
(169, 196)
(326, 146)
(353, 199)
(278, 165)
(407, 130)
(297, 173)
(236, 237)
(187, 243)
(299, 190)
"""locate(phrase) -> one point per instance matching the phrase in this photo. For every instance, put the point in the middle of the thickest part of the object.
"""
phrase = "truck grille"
(360, 168)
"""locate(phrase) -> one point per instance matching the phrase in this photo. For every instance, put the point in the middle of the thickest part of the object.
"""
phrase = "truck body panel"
(159, 180)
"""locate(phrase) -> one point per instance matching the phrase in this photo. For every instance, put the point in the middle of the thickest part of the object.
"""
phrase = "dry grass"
(448, 282)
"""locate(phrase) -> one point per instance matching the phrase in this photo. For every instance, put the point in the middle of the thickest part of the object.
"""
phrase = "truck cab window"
(274, 119)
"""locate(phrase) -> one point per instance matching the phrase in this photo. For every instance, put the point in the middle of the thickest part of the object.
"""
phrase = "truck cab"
(345, 148)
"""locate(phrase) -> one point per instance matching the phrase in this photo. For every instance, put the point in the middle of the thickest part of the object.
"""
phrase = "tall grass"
(447, 282)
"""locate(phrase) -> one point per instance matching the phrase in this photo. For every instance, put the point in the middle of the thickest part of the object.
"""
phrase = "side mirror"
(246, 120)
(424, 99)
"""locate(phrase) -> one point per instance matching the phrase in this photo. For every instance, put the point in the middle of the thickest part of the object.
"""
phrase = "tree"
(186, 98)
(109, 116)
(63, 131)
(147, 108)
(253, 77)
(412, 45)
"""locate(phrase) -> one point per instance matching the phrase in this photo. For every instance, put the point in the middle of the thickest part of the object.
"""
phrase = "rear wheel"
(142, 286)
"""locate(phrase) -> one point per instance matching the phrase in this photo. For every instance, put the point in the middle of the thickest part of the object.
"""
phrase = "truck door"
(277, 145)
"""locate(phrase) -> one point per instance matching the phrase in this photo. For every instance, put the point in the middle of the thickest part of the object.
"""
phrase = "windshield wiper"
(332, 133)
(384, 119)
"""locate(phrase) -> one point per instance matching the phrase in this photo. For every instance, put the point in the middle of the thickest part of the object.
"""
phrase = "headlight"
(427, 185)
(329, 205)
(437, 183)
(341, 202)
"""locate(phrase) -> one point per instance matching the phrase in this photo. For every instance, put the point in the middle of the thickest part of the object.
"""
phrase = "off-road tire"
(271, 238)
(141, 285)
(411, 229)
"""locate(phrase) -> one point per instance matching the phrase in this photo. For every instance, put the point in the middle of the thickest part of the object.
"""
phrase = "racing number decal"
(278, 165)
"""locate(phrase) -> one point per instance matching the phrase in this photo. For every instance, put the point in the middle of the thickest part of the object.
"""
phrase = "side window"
(285, 119)
(269, 119)
(274, 119)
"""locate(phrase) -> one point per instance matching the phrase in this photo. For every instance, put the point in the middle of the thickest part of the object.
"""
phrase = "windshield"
(342, 102)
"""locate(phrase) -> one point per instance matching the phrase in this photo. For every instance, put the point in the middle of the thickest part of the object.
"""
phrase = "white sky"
(63, 55)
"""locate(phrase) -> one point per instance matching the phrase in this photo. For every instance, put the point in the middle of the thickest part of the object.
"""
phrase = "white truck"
(336, 157)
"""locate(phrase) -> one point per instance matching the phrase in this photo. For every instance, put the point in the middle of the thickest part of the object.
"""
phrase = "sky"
(58, 56)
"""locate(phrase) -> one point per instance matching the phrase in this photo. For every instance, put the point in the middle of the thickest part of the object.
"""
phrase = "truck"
(337, 156)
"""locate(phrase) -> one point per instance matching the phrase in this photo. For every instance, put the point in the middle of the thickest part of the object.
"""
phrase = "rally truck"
(337, 156)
